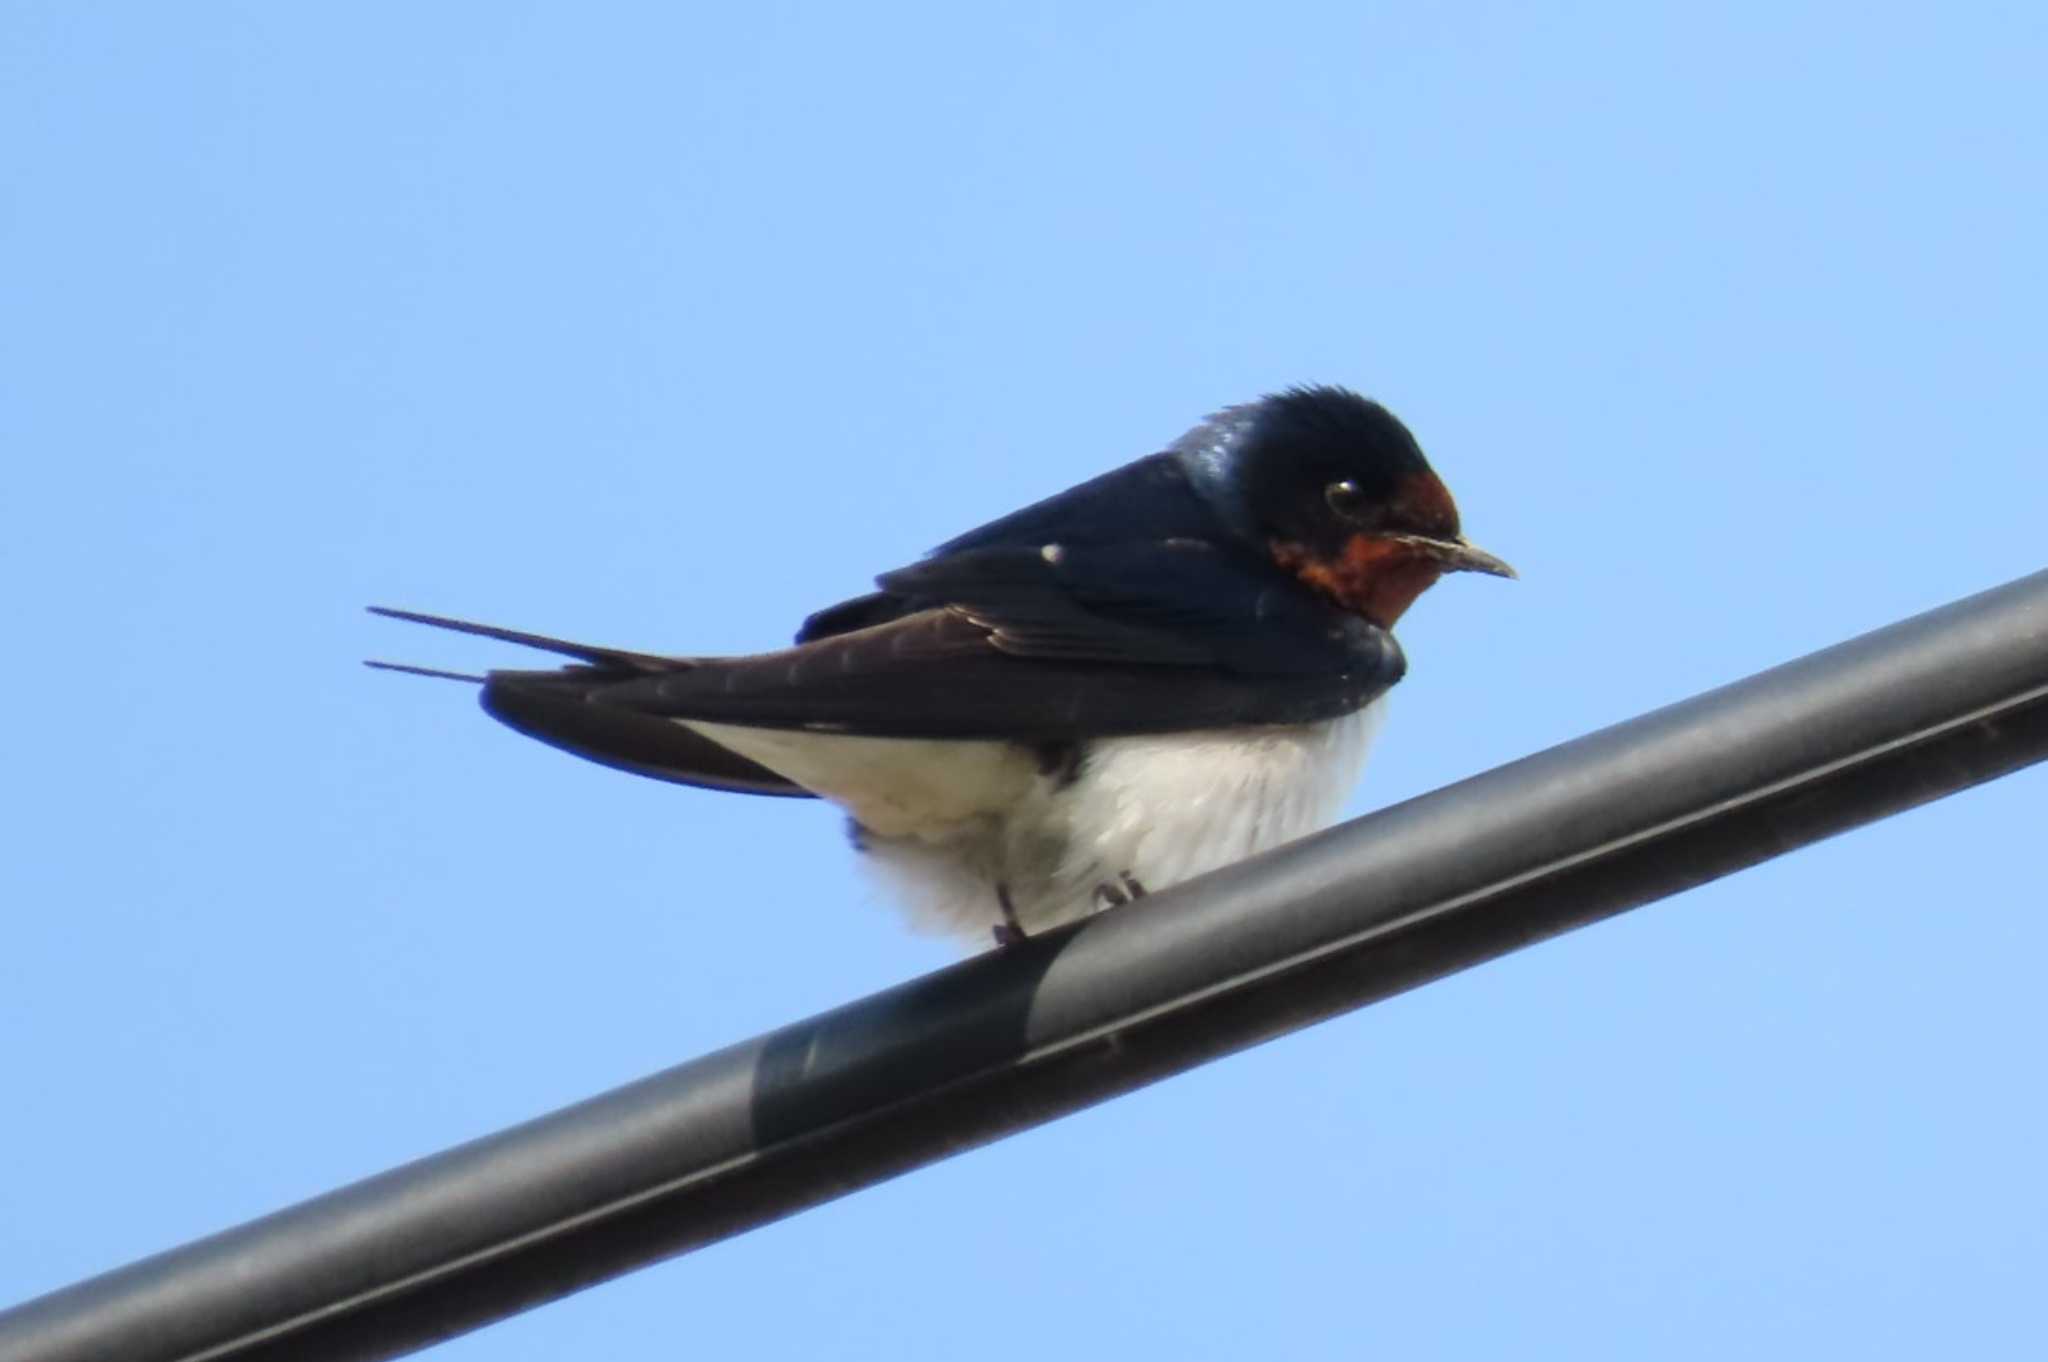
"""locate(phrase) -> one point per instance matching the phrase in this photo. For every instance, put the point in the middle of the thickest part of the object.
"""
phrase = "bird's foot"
(1115, 894)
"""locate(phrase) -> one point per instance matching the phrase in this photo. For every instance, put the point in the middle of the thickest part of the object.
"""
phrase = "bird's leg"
(1131, 885)
(1009, 931)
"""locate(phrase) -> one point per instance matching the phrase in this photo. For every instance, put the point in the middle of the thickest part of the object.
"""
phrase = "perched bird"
(1158, 672)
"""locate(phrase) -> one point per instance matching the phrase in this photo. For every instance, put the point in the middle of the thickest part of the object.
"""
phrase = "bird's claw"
(1124, 889)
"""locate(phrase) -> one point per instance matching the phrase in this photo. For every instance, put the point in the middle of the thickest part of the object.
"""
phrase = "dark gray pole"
(1011, 1039)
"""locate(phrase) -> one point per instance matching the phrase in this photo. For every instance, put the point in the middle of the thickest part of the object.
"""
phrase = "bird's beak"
(1457, 554)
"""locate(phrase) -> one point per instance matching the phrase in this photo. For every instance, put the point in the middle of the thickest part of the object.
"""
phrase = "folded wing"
(1037, 644)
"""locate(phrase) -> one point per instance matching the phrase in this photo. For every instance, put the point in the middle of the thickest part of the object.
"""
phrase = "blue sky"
(662, 325)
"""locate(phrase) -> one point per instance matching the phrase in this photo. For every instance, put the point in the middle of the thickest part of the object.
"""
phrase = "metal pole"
(1017, 1037)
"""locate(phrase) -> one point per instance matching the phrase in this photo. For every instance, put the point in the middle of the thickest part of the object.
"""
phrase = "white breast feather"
(945, 822)
(1171, 807)
(1161, 808)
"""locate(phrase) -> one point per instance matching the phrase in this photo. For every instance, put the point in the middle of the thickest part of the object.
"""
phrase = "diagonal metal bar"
(996, 1044)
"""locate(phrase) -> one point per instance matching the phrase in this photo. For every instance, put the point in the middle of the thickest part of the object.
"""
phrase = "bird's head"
(1338, 492)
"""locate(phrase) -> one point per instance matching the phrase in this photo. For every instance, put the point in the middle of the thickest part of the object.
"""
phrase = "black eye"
(1345, 499)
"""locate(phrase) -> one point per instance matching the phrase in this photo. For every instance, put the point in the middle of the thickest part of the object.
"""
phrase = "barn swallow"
(1155, 673)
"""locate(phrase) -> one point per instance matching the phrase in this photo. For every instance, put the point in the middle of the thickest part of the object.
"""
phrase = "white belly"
(945, 823)
(1169, 808)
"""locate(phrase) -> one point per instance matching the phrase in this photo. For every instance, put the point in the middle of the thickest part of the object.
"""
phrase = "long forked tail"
(410, 670)
(639, 664)
(559, 707)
